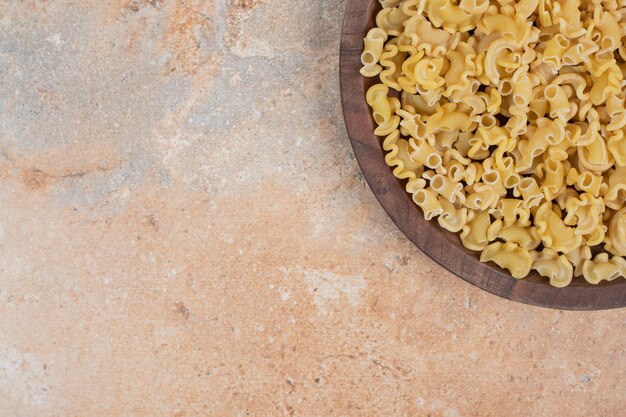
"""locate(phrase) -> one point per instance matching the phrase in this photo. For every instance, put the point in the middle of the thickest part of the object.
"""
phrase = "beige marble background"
(184, 231)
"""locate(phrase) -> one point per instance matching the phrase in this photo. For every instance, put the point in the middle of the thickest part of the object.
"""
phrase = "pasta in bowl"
(504, 122)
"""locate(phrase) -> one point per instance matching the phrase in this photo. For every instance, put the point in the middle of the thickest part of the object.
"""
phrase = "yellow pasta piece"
(596, 156)
(597, 236)
(547, 133)
(530, 192)
(407, 81)
(555, 48)
(446, 188)
(398, 156)
(391, 20)
(456, 171)
(474, 234)
(412, 124)
(412, 7)
(525, 8)
(427, 200)
(374, 44)
(554, 233)
(426, 38)
(554, 179)
(451, 218)
(482, 197)
(495, 49)
(462, 67)
(479, 149)
(425, 154)
(446, 14)
(418, 103)
(543, 13)
(616, 196)
(604, 269)
(509, 27)
(390, 3)
(616, 239)
(383, 110)
(584, 213)
(558, 100)
(510, 210)
(447, 118)
(492, 178)
(522, 87)
(445, 140)
(472, 173)
(616, 144)
(606, 77)
(475, 7)
(577, 82)
(578, 257)
(508, 256)
(554, 266)
(589, 183)
(391, 60)
(611, 32)
(453, 155)
(427, 73)
(494, 229)
(568, 16)
(524, 236)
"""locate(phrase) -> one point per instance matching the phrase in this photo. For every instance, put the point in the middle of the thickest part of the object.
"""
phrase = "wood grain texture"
(442, 246)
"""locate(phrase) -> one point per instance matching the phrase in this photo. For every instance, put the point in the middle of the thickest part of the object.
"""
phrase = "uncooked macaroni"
(507, 120)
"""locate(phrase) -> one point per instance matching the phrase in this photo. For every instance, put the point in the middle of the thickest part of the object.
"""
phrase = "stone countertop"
(184, 231)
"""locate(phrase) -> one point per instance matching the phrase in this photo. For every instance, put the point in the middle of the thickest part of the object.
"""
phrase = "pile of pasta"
(508, 121)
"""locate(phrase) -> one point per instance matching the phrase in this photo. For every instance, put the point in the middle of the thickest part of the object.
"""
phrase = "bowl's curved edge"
(441, 246)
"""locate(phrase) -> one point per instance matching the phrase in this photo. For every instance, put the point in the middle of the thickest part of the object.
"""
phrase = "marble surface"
(184, 231)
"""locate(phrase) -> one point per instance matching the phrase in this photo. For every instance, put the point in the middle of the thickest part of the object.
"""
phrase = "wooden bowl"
(442, 246)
